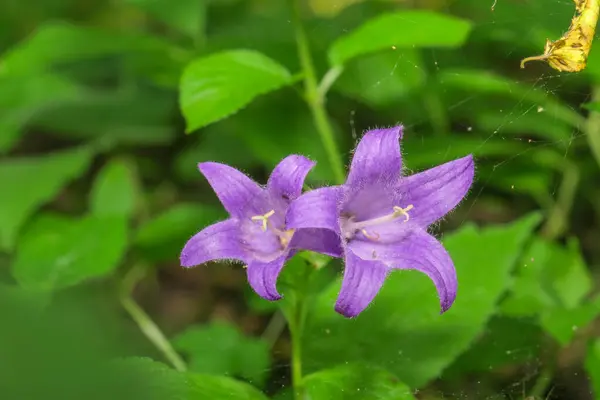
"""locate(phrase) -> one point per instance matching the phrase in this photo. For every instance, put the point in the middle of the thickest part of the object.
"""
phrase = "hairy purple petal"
(436, 191)
(417, 251)
(322, 241)
(262, 276)
(361, 283)
(377, 157)
(218, 241)
(287, 178)
(234, 189)
(315, 209)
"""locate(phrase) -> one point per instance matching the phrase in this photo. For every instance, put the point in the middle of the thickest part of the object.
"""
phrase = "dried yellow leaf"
(570, 52)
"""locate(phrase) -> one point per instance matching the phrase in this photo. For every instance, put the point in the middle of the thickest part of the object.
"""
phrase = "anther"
(264, 218)
(375, 236)
(398, 211)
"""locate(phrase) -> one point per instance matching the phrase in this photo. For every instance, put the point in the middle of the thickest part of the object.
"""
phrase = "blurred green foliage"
(107, 107)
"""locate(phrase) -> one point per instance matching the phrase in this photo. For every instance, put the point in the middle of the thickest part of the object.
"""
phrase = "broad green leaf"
(130, 117)
(405, 29)
(413, 341)
(383, 78)
(548, 276)
(115, 190)
(39, 52)
(592, 366)
(22, 98)
(541, 124)
(163, 236)
(221, 387)
(259, 131)
(63, 350)
(145, 379)
(185, 16)
(152, 380)
(505, 341)
(477, 82)
(55, 253)
(220, 349)
(564, 323)
(594, 106)
(30, 182)
(354, 382)
(216, 86)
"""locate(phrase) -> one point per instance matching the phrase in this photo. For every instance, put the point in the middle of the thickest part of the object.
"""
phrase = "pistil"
(352, 227)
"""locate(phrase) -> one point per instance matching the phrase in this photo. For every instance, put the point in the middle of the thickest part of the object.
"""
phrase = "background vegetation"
(106, 107)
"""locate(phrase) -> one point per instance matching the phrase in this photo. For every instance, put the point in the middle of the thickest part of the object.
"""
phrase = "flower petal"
(315, 209)
(288, 176)
(377, 157)
(262, 276)
(234, 189)
(361, 283)
(436, 191)
(215, 242)
(417, 251)
(321, 241)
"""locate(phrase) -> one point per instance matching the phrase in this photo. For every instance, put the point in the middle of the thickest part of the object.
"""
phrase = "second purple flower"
(382, 218)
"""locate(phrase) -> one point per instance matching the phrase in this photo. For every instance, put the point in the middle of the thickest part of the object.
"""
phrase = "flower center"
(350, 226)
(284, 235)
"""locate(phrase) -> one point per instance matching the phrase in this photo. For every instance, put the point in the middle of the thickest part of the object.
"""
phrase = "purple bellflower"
(255, 232)
(382, 219)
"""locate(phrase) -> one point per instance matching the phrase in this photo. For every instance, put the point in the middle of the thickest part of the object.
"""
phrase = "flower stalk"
(315, 98)
(143, 320)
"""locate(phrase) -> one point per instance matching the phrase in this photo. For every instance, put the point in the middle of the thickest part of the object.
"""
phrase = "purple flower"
(382, 219)
(255, 232)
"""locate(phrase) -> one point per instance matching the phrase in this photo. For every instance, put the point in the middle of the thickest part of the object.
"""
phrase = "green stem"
(436, 110)
(542, 382)
(558, 220)
(329, 79)
(315, 100)
(296, 323)
(592, 127)
(143, 320)
(274, 328)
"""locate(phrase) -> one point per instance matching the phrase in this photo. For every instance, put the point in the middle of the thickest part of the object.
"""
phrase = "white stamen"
(264, 218)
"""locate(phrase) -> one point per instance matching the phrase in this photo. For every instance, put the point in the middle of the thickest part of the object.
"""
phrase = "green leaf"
(57, 252)
(259, 132)
(542, 124)
(152, 380)
(355, 382)
(221, 387)
(30, 182)
(592, 366)
(219, 348)
(39, 52)
(145, 379)
(22, 98)
(216, 86)
(594, 106)
(382, 79)
(131, 117)
(400, 30)
(505, 341)
(163, 236)
(474, 82)
(115, 191)
(412, 340)
(548, 276)
(564, 323)
(185, 16)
